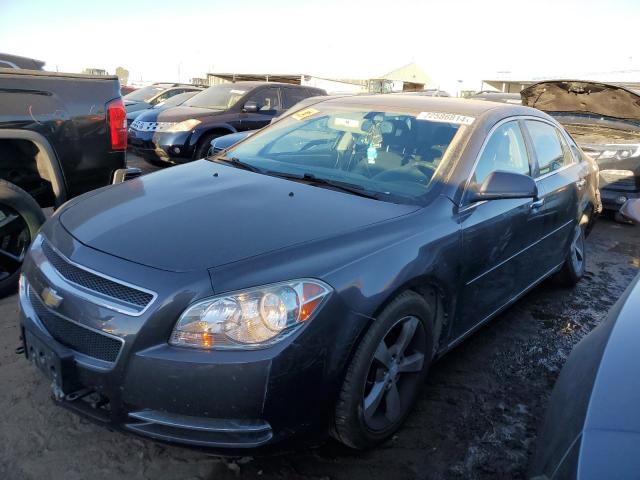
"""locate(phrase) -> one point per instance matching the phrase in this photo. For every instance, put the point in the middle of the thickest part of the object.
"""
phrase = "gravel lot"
(477, 416)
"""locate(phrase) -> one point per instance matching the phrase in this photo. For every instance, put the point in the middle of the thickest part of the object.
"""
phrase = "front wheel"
(575, 263)
(386, 373)
(20, 219)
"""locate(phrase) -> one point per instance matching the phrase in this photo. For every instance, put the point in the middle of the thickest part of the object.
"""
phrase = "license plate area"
(57, 364)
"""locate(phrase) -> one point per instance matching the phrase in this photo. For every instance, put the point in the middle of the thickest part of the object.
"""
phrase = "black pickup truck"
(61, 135)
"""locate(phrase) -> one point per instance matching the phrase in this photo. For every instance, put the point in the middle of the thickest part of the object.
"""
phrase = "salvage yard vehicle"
(184, 133)
(61, 135)
(491, 96)
(314, 271)
(147, 97)
(173, 101)
(15, 61)
(592, 424)
(605, 121)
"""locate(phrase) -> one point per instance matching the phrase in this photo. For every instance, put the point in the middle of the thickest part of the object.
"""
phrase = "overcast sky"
(451, 40)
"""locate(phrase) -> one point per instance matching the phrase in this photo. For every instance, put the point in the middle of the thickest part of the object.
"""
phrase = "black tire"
(20, 220)
(155, 162)
(353, 426)
(575, 263)
(205, 143)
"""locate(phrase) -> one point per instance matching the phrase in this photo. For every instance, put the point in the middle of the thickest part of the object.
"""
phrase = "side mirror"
(631, 210)
(250, 107)
(501, 185)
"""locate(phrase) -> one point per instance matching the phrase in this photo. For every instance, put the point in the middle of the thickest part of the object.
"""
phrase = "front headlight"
(612, 152)
(184, 126)
(252, 318)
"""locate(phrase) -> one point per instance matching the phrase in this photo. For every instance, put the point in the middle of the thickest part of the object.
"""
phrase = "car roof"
(257, 83)
(461, 106)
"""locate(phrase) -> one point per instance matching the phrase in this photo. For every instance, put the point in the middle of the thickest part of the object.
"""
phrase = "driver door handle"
(537, 204)
(581, 183)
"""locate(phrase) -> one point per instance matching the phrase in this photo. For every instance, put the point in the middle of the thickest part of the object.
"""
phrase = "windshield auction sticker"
(306, 113)
(445, 118)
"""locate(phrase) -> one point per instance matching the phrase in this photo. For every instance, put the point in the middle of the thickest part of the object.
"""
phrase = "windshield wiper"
(319, 181)
(236, 162)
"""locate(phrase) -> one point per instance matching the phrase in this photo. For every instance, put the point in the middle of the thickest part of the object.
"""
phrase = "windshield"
(175, 100)
(144, 94)
(393, 155)
(218, 97)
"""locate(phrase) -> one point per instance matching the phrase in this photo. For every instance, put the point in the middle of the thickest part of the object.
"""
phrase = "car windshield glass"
(393, 155)
(175, 100)
(144, 94)
(218, 97)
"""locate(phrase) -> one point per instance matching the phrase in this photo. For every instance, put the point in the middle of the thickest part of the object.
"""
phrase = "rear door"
(500, 237)
(562, 181)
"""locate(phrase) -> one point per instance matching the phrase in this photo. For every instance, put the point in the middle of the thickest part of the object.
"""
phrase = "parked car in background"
(315, 270)
(17, 62)
(592, 424)
(146, 97)
(61, 135)
(173, 101)
(221, 143)
(494, 96)
(605, 121)
(126, 89)
(428, 92)
(184, 133)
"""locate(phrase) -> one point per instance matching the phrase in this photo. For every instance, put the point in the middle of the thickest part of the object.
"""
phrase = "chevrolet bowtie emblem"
(50, 297)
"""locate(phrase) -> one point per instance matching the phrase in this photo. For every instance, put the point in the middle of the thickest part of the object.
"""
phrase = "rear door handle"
(581, 183)
(537, 204)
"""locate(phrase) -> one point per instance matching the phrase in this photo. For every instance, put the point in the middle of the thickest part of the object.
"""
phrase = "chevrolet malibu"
(302, 281)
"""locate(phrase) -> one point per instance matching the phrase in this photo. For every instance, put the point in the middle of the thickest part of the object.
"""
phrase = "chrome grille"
(95, 282)
(81, 339)
(151, 126)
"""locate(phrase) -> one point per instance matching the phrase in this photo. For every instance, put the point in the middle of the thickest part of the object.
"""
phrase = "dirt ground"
(477, 417)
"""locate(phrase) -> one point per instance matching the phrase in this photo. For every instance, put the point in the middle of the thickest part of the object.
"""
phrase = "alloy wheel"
(14, 241)
(394, 374)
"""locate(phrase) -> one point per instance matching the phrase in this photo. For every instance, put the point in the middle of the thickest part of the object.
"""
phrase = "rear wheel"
(575, 263)
(386, 373)
(20, 219)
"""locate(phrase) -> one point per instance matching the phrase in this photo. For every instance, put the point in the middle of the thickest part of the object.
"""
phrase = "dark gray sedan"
(303, 283)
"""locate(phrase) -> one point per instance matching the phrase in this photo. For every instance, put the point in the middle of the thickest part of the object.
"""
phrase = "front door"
(500, 237)
(269, 105)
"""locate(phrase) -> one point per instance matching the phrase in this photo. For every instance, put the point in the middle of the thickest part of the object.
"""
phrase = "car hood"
(574, 96)
(177, 114)
(188, 218)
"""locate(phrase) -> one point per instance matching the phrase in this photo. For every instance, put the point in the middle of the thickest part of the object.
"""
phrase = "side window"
(293, 96)
(505, 150)
(577, 155)
(268, 101)
(546, 144)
